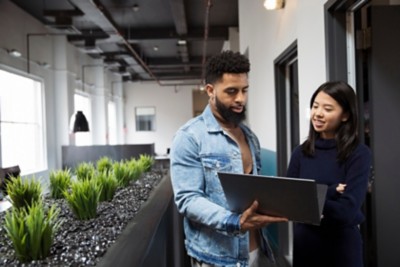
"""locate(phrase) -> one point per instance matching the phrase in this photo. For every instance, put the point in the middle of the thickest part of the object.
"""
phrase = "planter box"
(73, 155)
(152, 237)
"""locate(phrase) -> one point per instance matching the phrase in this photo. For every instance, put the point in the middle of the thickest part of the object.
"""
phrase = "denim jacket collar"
(210, 120)
(213, 126)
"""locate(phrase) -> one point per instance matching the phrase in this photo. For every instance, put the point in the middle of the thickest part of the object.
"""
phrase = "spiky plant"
(121, 173)
(104, 164)
(108, 183)
(146, 162)
(135, 169)
(60, 181)
(85, 171)
(83, 198)
(32, 230)
(24, 192)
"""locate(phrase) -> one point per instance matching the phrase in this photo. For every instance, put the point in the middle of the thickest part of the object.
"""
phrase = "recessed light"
(155, 48)
(43, 64)
(14, 53)
(274, 4)
(135, 7)
(182, 42)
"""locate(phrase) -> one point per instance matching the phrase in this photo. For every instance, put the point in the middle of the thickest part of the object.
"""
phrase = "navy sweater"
(340, 209)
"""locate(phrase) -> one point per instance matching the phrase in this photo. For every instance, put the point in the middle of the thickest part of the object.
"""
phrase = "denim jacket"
(200, 149)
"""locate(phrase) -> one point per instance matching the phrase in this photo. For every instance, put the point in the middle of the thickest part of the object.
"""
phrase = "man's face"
(228, 97)
(228, 114)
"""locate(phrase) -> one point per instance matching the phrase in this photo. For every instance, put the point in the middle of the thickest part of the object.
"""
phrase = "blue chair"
(269, 167)
(268, 162)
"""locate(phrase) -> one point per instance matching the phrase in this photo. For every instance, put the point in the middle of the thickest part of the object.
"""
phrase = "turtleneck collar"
(325, 143)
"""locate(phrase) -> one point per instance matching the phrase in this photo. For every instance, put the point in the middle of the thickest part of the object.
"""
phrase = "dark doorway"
(287, 118)
(287, 105)
(373, 48)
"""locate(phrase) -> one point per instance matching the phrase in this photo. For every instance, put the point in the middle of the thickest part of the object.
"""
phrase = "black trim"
(280, 64)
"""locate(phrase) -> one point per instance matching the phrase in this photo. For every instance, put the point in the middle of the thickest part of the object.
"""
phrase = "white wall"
(173, 109)
(265, 34)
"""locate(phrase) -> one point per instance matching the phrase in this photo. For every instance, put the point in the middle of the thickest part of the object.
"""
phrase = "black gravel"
(83, 243)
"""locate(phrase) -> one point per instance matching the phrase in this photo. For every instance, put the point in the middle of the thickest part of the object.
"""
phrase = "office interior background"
(45, 79)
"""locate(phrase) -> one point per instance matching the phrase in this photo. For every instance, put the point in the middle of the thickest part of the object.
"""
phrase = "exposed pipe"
(83, 73)
(207, 15)
(104, 11)
(28, 54)
(82, 5)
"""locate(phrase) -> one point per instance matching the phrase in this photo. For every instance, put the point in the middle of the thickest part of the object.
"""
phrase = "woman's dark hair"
(225, 62)
(347, 134)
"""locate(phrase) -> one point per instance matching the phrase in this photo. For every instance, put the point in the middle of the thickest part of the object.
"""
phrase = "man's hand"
(250, 219)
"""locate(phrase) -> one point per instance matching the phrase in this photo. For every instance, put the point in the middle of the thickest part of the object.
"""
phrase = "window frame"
(152, 121)
(43, 166)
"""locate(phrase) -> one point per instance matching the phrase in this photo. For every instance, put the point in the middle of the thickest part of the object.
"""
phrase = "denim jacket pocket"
(213, 164)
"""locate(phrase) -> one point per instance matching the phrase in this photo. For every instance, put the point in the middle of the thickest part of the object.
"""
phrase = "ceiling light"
(80, 124)
(274, 4)
(135, 7)
(155, 48)
(182, 42)
(14, 53)
(43, 64)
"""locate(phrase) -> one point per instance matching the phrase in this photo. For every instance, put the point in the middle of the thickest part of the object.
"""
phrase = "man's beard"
(229, 115)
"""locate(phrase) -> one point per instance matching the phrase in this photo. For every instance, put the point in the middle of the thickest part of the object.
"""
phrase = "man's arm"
(188, 183)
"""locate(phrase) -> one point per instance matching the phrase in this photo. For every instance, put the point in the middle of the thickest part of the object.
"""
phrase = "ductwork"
(164, 41)
(99, 16)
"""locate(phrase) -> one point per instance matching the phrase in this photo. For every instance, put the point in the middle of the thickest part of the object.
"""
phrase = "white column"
(119, 103)
(63, 94)
(99, 106)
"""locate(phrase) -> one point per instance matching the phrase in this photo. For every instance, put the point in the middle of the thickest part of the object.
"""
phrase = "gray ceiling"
(139, 39)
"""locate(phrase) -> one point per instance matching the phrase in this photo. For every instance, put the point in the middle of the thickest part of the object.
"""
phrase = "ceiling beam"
(183, 76)
(179, 16)
(62, 13)
(194, 34)
(173, 62)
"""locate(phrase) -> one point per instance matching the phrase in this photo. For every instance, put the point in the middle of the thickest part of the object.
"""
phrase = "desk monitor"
(300, 200)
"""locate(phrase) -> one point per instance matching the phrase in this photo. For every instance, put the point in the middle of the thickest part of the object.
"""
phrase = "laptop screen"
(298, 200)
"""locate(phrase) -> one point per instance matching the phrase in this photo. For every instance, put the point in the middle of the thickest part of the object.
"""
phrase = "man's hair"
(225, 62)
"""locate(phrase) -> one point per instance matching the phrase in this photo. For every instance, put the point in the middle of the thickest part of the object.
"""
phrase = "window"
(82, 103)
(145, 119)
(22, 123)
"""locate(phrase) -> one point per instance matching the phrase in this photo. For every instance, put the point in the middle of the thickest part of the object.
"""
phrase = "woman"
(332, 155)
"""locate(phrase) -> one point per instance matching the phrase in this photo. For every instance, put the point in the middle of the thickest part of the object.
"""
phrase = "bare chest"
(238, 136)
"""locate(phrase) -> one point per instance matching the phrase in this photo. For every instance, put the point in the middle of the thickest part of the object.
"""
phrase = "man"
(217, 140)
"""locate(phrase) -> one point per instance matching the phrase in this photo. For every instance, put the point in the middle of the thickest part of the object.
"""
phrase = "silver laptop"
(299, 200)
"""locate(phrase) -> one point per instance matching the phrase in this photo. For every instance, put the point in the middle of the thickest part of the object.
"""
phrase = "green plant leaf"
(60, 181)
(31, 231)
(23, 193)
(83, 198)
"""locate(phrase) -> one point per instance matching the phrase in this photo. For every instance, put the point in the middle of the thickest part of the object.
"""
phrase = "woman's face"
(326, 115)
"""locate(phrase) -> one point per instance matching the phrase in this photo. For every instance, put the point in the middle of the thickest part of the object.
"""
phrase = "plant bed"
(84, 242)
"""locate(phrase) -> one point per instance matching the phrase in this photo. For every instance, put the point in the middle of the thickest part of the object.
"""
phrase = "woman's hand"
(340, 188)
